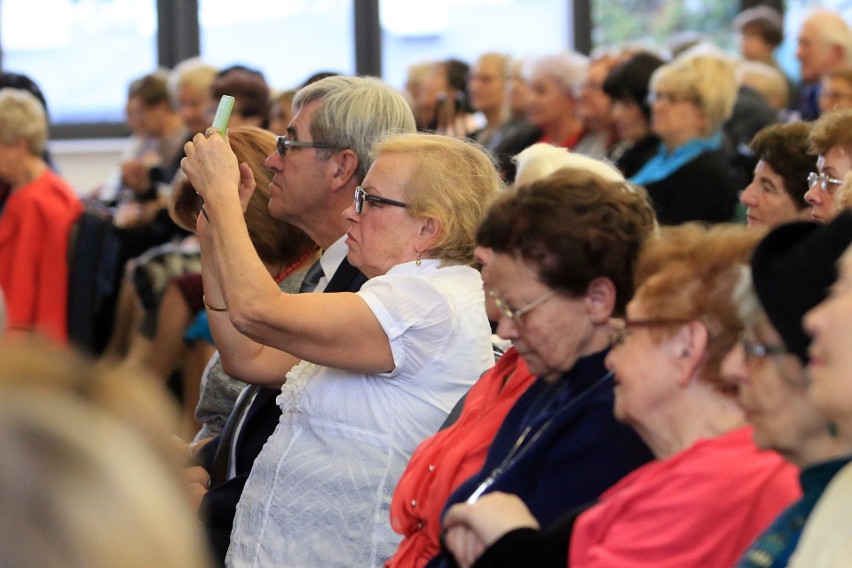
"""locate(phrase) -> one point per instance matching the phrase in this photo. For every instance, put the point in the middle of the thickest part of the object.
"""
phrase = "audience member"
(37, 212)
(551, 102)
(627, 85)
(312, 198)
(486, 85)
(87, 479)
(251, 96)
(776, 194)
(594, 107)
(286, 253)
(836, 90)
(768, 366)
(415, 234)
(768, 82)
(563, 249)
(761, 31)
(442, 462)
(710, 491)
(831, 139)
(690, 177)
(824, 44)
(281, 111)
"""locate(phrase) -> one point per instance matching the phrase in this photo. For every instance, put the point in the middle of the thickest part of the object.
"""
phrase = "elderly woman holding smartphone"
(379, 369)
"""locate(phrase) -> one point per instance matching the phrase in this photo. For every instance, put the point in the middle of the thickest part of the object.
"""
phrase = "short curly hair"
(573, 226)
(688, 273)
(832, 129)
(785, 148)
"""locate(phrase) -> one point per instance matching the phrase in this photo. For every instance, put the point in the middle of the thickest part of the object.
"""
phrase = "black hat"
(793, 268)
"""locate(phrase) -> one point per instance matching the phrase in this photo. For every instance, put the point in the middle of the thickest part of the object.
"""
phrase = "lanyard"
(519, 449)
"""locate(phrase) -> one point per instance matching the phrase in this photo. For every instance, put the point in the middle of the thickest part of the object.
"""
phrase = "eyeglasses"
(753, 348)
(671, 98)
(361, 196)
(515, 315)
(282, 143)
(823, 180)
(619, 329)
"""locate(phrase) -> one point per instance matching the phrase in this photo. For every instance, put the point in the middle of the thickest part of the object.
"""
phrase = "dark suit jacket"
(219, 505)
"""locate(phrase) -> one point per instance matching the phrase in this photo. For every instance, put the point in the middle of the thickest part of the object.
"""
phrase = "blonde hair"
(454, 180)
(706, 77)
(89, 476)
(22, 116)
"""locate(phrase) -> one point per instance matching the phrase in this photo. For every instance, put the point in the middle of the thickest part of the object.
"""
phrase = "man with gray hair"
(825, 44)
(319, 163)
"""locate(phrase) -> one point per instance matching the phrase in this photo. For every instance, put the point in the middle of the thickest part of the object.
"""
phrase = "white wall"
(86, 164)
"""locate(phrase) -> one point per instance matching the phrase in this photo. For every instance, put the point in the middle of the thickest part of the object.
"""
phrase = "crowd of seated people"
(515, 316)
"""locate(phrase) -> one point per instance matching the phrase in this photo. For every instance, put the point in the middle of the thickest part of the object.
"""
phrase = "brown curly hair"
(574, 227)
(689, 273)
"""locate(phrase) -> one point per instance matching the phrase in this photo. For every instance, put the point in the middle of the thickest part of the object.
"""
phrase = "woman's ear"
(430, 230)
(600, 300)
(691, 349)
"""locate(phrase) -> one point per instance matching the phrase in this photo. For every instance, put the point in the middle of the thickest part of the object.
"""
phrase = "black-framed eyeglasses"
(361, 196)
(619, 328)
(755, 349)
(823, 180)
(515, 314)
(282, 143)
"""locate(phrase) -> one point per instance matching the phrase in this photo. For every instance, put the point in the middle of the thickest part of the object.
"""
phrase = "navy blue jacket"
(582, 452)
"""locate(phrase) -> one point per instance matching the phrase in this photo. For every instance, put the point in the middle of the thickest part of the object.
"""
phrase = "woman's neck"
(820, 447)
(564, 129)
(698, 412)
(30, 169)
(675, 141)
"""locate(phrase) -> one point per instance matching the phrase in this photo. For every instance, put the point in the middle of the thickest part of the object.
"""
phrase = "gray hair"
(193, 72)
(568, 68)
(355, 112)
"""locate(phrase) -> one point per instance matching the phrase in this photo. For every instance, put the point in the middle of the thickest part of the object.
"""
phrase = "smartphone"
(223, 113)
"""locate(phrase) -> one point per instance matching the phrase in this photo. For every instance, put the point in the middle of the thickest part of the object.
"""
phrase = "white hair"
(540, 160)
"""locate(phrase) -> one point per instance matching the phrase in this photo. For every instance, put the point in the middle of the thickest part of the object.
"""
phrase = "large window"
(287, 40)
(82, 53)
(414, 31)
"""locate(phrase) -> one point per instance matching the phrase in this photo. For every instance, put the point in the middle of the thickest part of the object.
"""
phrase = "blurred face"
(192, 105)
(830, 367)
(548, 105)
(483, 256)
(753, 47)
(133, 111)
(813, 53)
(300, 179)
(645, 375)
(676, 118)
(630, 123)
(383, 235)
(772, 392)
(518, 93)
(552, 335)
(834, 164)
(486, 85)
(767, 202)
(594, 104)
(279, 117)
(835, 94)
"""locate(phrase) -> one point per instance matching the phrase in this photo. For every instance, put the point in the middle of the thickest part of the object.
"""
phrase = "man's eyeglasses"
(619, 329)
(282, 143)
(361, 196)
(753, 348)
(516, 314)
(823, 180)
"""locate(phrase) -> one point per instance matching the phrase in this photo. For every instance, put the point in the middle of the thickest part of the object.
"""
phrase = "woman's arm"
(337, 330)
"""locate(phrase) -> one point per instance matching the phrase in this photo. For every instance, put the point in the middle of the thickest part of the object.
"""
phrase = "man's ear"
(600, 300)
(344, 166)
